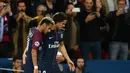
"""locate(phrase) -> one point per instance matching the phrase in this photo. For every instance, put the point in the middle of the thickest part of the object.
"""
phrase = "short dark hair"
(20, 2)
(121, 0)
(59, 17)
(68, 5)
(16, 58)
(80, 57)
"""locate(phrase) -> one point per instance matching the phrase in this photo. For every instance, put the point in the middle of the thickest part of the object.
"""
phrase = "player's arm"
(24, 56)
(34, 60)
(25, 51)
(34, 57)
(35, 46)
(64, 52)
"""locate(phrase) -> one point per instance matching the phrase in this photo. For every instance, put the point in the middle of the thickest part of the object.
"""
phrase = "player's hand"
(71, 65)
(60, 58)
(24, 58)
(35, 71)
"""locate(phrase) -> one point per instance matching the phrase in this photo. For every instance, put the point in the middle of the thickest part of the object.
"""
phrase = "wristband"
(35, 67)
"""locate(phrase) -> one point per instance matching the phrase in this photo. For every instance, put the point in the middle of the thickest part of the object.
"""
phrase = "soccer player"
(53, 41)
(35, 43)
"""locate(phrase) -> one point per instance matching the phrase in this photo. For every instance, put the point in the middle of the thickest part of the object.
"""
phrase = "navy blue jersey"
(34, 42)
(48, 59)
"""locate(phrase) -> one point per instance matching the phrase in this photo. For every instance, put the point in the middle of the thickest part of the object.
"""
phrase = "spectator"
(91, 19)
(6, 24)
(21, 31)
(103, 28)
(17, 64)
(110, 5)
(118, 37)
(71, 33)
(79, 65)
(50, 6)
(41, 12)
(76, 3)
(59, 5)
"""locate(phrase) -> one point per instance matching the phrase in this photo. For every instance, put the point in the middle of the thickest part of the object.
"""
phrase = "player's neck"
(38, 28)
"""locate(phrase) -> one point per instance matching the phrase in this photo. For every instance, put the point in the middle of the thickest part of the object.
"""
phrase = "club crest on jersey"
(37, 43)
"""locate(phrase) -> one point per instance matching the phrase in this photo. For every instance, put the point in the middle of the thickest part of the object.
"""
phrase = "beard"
(22, 10)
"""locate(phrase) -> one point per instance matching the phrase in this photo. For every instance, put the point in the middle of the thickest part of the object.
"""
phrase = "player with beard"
(35, 45)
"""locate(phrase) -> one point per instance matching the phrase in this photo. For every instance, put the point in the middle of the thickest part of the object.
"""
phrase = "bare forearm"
(25, 51)
(64, 52)
(34, 57)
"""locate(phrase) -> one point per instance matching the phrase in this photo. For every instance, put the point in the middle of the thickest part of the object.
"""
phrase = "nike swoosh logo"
(50, 37)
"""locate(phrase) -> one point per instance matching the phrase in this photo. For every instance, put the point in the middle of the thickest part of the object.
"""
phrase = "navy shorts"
(28, 67)
(47, 67)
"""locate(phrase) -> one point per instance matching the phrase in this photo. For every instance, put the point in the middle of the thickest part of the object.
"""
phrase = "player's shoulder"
(31, 32)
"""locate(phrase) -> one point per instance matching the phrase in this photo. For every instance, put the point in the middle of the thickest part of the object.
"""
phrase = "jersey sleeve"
(36, 41)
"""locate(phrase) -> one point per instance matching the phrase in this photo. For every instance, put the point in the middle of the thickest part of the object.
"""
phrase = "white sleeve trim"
(1, 28)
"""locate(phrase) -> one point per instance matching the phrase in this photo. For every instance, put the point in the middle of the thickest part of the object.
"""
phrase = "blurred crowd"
(95, 29)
